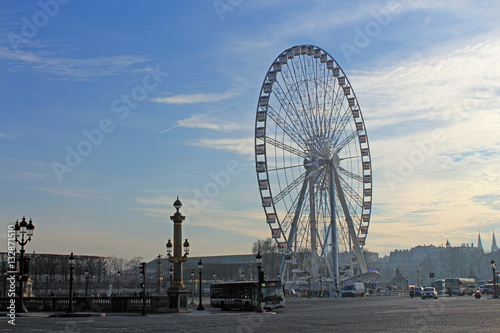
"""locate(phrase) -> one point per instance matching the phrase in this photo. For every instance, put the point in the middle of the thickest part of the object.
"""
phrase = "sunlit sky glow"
(166, 92)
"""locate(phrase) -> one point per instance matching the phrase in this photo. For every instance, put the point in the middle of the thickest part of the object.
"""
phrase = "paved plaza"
(368, 314)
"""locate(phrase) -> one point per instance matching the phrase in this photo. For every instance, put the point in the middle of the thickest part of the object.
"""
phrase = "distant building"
(399, 281)
(479, 243)
(494, 246)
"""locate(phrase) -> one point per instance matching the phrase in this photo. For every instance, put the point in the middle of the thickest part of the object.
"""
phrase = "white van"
(353, 289)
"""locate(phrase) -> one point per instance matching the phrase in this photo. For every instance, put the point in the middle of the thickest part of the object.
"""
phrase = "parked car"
(487, 289)
(417, 291)
(429, 292)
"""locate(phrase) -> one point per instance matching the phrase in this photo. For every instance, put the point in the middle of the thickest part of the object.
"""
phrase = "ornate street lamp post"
(493, 267)
(242, 275)
(177, 293)
(214, 275)
(23, 233)
(200, 267)
(171, 273)
(258, 258)
(71, 261)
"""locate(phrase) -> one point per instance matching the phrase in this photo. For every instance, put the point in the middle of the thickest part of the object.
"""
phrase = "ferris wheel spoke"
(289, 188)
(286, 147)
(283, 100)
(345, 142)
(306, 127)
(307, 92)
(338, 130)
(283, 125)
(287, 167)
(297, 115)
(350, 174)
(336, 108)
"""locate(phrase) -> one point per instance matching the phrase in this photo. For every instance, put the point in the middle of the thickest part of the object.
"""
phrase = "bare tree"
(271, 259)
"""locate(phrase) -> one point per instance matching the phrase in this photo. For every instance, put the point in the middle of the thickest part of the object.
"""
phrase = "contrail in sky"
(206, 114)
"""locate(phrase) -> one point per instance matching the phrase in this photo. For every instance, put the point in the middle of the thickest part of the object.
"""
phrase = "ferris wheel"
(313, 167)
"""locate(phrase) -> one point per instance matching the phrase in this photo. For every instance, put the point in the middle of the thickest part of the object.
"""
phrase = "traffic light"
(261, 276)
(26, 267)
(142, 268)
(143, 285)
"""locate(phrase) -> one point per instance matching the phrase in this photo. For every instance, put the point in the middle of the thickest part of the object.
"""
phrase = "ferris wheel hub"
(335, 160)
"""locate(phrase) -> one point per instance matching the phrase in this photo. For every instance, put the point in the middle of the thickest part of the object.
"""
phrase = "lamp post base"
(177, 299)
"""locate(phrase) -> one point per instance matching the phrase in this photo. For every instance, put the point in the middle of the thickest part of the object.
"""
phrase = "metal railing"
(93, 304)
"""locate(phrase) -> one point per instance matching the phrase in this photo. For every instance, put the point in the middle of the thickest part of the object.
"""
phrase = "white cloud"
(195, 98)
(200, 121)
(243, 146)
(6, 136)
(214, 214)
(78, 193)
(440, 87)
(71, 69)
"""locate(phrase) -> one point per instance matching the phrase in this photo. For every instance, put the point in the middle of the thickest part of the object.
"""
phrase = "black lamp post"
(158, 262)
(242, 275)
(23, 230)
(5, 283)
(47, 284)
(493, 267)
(87, 282)
(258, 258)
(200, 267)
(71, 261)
(118, 275)
(171, 274)
(214, 275)
(308, 286)
(192, 288)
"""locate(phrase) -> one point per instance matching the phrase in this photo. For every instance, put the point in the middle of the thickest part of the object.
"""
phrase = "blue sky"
(158, 99)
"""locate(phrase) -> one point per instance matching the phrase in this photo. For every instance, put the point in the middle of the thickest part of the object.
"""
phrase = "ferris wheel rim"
(263, 105)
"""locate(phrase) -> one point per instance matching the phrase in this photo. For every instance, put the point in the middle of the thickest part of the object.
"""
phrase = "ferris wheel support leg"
(352, 232)
(333, 227)
(314, 233)
(283, 267)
